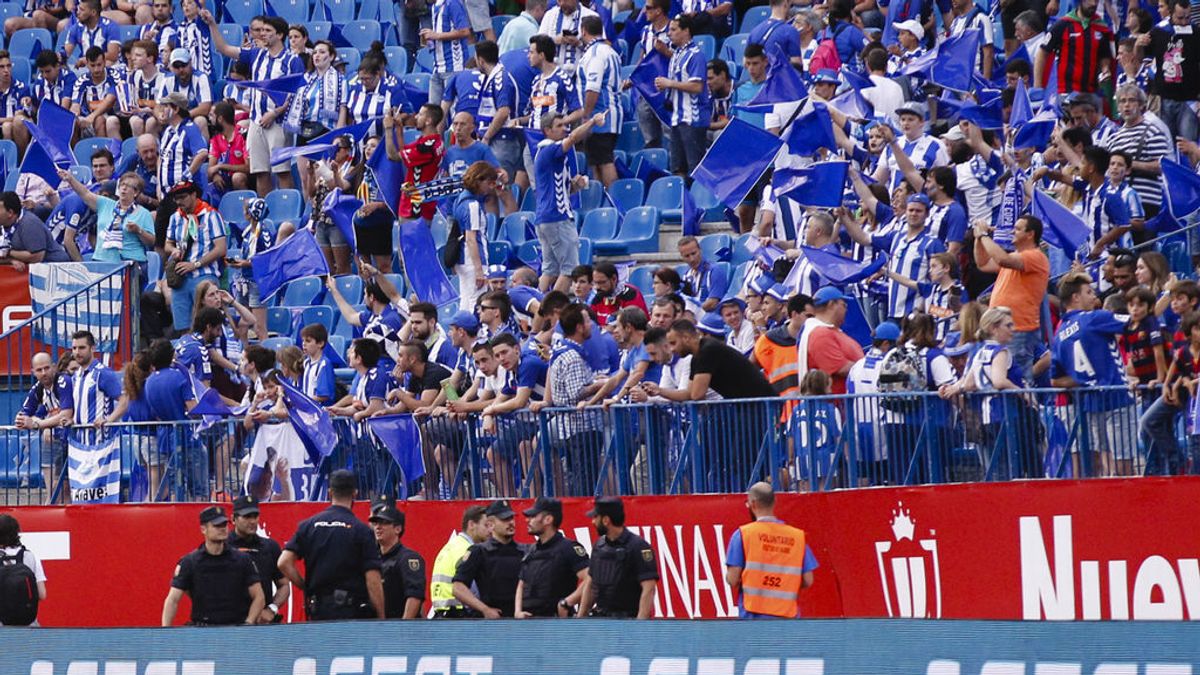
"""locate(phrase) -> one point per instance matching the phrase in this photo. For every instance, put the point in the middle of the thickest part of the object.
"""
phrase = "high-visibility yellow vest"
(441, 587)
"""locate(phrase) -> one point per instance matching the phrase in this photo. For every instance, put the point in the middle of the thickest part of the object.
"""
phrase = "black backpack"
(18, 590)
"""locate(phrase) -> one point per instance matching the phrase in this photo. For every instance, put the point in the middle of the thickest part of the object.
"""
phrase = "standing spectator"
(161, 29)
(570, 382)
(563, 24)
(517, 34)
(24, 238)
(182, 151)
(95, 388)
(778, 32)
(1082, 47)
(654, 37)
(552, 92)
(195, 33)
(371, 94)
(195, 244)
(1143, 341)
(1175, 46)
(1146, 145)
(447, 37)
(193, 85)
(143, 88)
(686, 86)
(379, 322)
(822, 345)
(499, 105)
(125, 230)
(145, 165)
(968, 16)
(1022, 278)
(480, 181)
(25, 613)
(924, 151)
(227, 167)
(269, 61)
(318, 104)
(554, 218)
(1158, 424)
(422, 158)
(847, 38)
(599, 84)
(887, 95)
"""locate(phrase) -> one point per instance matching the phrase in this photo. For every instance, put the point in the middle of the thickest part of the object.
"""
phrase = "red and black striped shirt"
(1079, 51)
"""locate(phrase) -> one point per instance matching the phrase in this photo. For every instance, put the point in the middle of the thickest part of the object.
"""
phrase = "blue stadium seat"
(627, 193)
(630, 141)
(339, 11)
(232, 33)
(8, 151)
(303, 292)
(666, 194)
(411, 134)
(741, 254)
(338, 344)
(600, 225)
(643, 278)
(284, 205)
(87, 147)
(639, 233)
(361, 33)
(585, 251)
(351, 56)
(277, 343)
(20, 461)
(418, 81)
(22, 42)
(518, 227)
(128, 32)
(319, 30)
(291, 11)
(706, 202)
(424, 61)
(397, 281)
(707, 45)
(22, 69)
(83, 173)
(592, 196)
(230, 206)
(343, 329)
(350, 286)
(529, 201)
(498, 252)
(397, 60)
(369, 9)
(530, 253)
(11, 9)
(500, 21)
(734, 47)
(1177, 256)
(321, 314)
(716, 247)
(753, 17)
(440, 229)
(656, 156)
(737, 279)
(242, 11)
(279, 321)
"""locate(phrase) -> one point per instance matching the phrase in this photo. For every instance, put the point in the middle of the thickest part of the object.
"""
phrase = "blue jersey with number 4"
(1085, 348)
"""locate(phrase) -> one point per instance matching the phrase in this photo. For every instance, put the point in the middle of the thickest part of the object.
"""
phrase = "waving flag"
(1036, 132)
(295, 257)
(1022, 108)
(852, 104)
(840, 270)
(285, 154)
(736, 160)
(783, 85)
(402, 438)
(1182, 188)
(950, 65)
(341, 208)
(820, 184)
(856, 81)
(652, 65)
(990, 115)
(422, 265)
(692, 216)
(389, 174)
(1062, 228)
(810, 132)
(356, 131)
(311, 422)
(288, 84)
(336, 37)
(765, 255)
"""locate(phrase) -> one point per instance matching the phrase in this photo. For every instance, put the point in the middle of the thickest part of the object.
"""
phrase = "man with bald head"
(768, 560)
(48, 405)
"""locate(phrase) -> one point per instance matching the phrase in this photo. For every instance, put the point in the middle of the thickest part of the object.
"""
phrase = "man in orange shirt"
(1023, 276)
(822, 344)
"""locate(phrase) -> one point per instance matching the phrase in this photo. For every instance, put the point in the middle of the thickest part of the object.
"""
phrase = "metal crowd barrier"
(802, 444)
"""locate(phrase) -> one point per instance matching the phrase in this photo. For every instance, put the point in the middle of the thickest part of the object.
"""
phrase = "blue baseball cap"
(888, 330)
(920, 198)
(497, 272)
(466, 321)
(712, 324)
(826, 75)
(827, 295)
(779, 292)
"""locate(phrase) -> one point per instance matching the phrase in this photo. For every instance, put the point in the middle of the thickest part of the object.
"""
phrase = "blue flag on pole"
(856, 81)
(389, 175)
(990, 115)
(356, 131)
(810, 132)
(852, 104)
(1182, 185)
(950, 65)
(1062, 228)
(422, 264)
(1036, 132)
(341, 208)
(288, 153)
(1022, 108)
(652, 65)
(736, 160)
(400, 435)
(821, 184)
(55, 124)
(336, 37)
(288, 84)
(311, 422)
(297, 256)
(840, 270)
(783, 85)
(692, 216)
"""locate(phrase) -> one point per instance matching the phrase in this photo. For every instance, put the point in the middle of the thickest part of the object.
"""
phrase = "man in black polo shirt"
(264, 551)
(341, 559)
(403, 569)
(424, 378)
(493, 567)
(623, 573)
(220, 580)
(555, 572)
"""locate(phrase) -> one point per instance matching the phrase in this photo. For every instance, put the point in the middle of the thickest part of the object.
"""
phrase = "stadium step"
(669, 235)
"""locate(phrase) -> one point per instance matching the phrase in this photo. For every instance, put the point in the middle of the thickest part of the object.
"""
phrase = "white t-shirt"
(29, 559)
(885, 96)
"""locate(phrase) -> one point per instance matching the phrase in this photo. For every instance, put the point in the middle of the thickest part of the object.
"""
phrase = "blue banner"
(1182, 188)
(423, 265)
(99, 309)
(614, 647)
(402, 438)
(736, 160)
(653, 65)
(297, 256)
(311, 422)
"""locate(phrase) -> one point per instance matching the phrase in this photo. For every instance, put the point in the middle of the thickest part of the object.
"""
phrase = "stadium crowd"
(969, 285)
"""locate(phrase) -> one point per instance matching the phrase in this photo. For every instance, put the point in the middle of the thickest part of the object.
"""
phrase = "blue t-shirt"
(317, 380)
(457, 159)
(775, 32)
(553, 186)
(602, 353)
(735, 556)
(192, 353)
(1085, 349)
(375, 383)
(462, 90)
(531, 374)
(638, 354)
(167, 393)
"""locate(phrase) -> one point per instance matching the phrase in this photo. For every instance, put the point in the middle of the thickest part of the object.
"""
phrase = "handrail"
(124, 266)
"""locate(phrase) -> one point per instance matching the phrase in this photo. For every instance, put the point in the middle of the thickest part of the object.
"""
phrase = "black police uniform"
(218, 585)
(618, 569)
(338, 549)
(265, 554)
(494, 568)
(403, 578)
(550, 572)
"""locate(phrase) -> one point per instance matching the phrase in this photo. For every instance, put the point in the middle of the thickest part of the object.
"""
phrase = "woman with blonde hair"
(479, 182)
(226, 351)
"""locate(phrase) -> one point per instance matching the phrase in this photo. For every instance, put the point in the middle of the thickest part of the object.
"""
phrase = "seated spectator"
(94, 96)
(369, 390)
(612, 294)
(1143, 341)
(822, 345)
(90, 29)
(24, 238)
(379, 322)
(703, 281)
(53, 82)
(195, 246)
(234, 335)
(1158, 424)
(195, 86)
(581, 285)
(43, 14)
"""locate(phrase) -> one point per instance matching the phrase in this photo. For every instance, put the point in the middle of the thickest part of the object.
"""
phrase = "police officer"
(341, 558)
(221, 581)
(623, 573)
(264, 551)
(493, 567)
(475, 530)
(555, 570)
(769, 560)
(403, 569)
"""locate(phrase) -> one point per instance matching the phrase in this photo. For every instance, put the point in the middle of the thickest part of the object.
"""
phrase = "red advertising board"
(1100, 549)
(15, 307)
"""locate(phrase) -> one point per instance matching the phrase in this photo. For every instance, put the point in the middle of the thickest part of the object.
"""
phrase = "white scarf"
(806, 332)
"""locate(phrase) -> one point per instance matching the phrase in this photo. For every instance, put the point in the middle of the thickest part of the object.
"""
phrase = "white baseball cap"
(913, 26)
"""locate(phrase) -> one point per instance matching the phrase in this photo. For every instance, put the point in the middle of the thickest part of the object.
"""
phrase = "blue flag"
(1062, 228)
(325, 14)
(856, 81)
(1036, 132)
(341, 208)
(810, 132)
(268, 10)
(840, 270)
(288, 84)
(652, 65)
(820, 184)
(783, 85)
(1182, 185)
(422, 265)
(35, 50)
(311, 422)
(736, 160)
(55, 124)
(692, 216)
(389, 175)
(336, 37)
(1022, 108)
(990, 115)
(852, 104)
(950, 65)
(1163, 223)
(38, 163)
(356, 131)
(288, 153)
(295, 257)
(400, 435)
